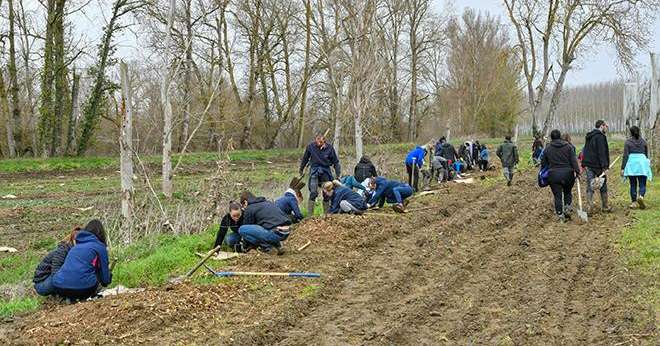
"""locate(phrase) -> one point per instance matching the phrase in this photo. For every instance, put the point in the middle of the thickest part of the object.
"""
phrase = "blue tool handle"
(305, 275)
(224, 274)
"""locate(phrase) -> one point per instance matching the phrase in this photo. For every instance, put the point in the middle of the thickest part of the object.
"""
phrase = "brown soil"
(487, 265)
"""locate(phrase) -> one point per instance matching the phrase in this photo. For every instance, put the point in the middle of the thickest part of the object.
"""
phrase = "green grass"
(642, 240)
(18, 268)
(18, 306)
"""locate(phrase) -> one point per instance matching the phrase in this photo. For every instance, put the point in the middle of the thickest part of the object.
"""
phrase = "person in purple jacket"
(86, 265)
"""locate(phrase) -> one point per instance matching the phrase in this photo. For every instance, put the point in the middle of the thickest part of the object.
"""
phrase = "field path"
(486, 264)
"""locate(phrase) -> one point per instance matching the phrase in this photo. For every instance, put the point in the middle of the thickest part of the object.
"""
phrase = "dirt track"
(487, 265)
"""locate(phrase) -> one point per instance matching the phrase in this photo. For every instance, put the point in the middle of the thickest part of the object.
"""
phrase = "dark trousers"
(76, 294)
(635, 182)
(413, 181)
(561, 183)
(483, 165)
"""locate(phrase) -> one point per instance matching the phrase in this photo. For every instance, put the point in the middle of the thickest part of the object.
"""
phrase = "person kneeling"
(86, 265)
(391, 191)
(51, 264)
(265, 225)
(228, 232)
(343, 199)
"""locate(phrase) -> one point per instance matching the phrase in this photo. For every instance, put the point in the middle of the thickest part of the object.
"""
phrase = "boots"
(326, 207)
(604, 203)
(310, 207)
(590, 201)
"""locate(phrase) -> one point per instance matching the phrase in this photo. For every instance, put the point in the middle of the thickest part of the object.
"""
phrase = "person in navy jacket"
(86, 265)
(344, 200)
(289, 204)
(391, 191)
(321, 156)
(414, 162)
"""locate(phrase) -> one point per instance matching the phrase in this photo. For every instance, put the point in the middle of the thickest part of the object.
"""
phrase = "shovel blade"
(583, 215)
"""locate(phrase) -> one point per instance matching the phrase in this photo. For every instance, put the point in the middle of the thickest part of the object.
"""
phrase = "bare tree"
(167, 73)
(13, 84)
(126, 154)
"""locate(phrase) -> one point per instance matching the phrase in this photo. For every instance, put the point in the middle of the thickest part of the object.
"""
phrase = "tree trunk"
(46, 119)
(28, 80)
(167, 108)
(60, 73)
(126, 155)
(554, 101)
(303, 96)
(4, 110)
(73, 115)
(653, 123)
(187, 80)
(412, 125)
(15, 101)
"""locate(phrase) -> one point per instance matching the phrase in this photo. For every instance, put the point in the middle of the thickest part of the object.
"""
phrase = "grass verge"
(17, 306)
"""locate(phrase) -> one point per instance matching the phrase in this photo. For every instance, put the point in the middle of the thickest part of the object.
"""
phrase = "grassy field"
(48, 207)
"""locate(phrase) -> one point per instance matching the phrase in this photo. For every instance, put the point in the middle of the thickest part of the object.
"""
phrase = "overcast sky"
(600, 66)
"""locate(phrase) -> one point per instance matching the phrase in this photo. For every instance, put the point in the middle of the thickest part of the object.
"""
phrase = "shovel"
(596, 183)
(581, 213)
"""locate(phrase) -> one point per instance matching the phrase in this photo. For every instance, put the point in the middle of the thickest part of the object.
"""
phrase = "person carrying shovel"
(414, 162)
(596, 154)
(320, 155)
(559, 156)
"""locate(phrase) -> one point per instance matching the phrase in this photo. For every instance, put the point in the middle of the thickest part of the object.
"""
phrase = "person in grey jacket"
(508, 154)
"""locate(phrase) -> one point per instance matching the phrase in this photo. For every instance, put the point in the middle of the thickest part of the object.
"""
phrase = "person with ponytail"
(636, 166)
(343, 199)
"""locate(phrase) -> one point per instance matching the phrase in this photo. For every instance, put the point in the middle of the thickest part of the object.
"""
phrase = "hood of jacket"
(256, 200)
(365, 159)
(637, 142)
(594, 133)
(558, 143)
(86, 237)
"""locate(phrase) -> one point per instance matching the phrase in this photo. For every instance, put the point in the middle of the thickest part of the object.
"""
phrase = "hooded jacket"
(364, 169)
(560, 155)
(384, 191)
(418, 154)
(345, 194)
(50, 264)
(596, 151)
(289, 205)
(86, 265)
(634, 146)
(448, 151)
(508, 154)
(264, 213)
(320, 159)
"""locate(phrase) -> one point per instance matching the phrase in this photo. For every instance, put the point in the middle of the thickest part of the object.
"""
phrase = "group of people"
(446, 163)
(257, 223)
(78, 267)
(560, 160)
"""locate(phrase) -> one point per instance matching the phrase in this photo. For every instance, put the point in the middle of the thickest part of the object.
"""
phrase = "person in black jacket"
(559, 156)
(364, 169)
(228, 232)
(597, 161)
(49, 265)
(264, 224)
(320, 156)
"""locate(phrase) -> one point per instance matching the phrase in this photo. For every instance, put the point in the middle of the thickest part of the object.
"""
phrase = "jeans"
(483, 165)
(231, 239)
(593, 174)
(635, 181)
(561, 183)
(45, 288)
(261, 237)
(508, 173)
(413, 170)
(401, 193)
(82, 294)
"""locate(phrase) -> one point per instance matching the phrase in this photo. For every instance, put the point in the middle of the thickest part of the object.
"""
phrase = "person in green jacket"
(508, 154)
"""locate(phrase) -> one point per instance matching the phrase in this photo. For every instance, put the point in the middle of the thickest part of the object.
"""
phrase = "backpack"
(544, 173)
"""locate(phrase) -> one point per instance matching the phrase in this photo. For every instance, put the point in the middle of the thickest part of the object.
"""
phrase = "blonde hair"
(330, 185)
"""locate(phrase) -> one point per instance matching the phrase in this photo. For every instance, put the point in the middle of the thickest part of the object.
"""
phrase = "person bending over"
(343, 199)
(265, 225)
(86, 265)
(228, 232)
(391, 191)
(49, 265)
(289, 204)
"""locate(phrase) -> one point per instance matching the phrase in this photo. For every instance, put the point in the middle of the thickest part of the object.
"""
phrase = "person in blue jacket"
(343, 199)
(391, 191)
(289, 204)
(484, 157)
(321, 156)
(352, 183)
(415, 161)
(86, 265)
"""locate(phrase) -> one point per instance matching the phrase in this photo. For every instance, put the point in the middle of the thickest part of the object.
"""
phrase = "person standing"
(508, 154)
(321, 156)
(596, 159)
(364, 169)
(559, 156)
(484, 157)
(414, 162)
(537, 149)
(636, 166)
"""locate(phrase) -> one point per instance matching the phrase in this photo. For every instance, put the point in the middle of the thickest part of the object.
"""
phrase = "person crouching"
(265, 225)
(391, 191)
(343, 199)
(51, 264)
